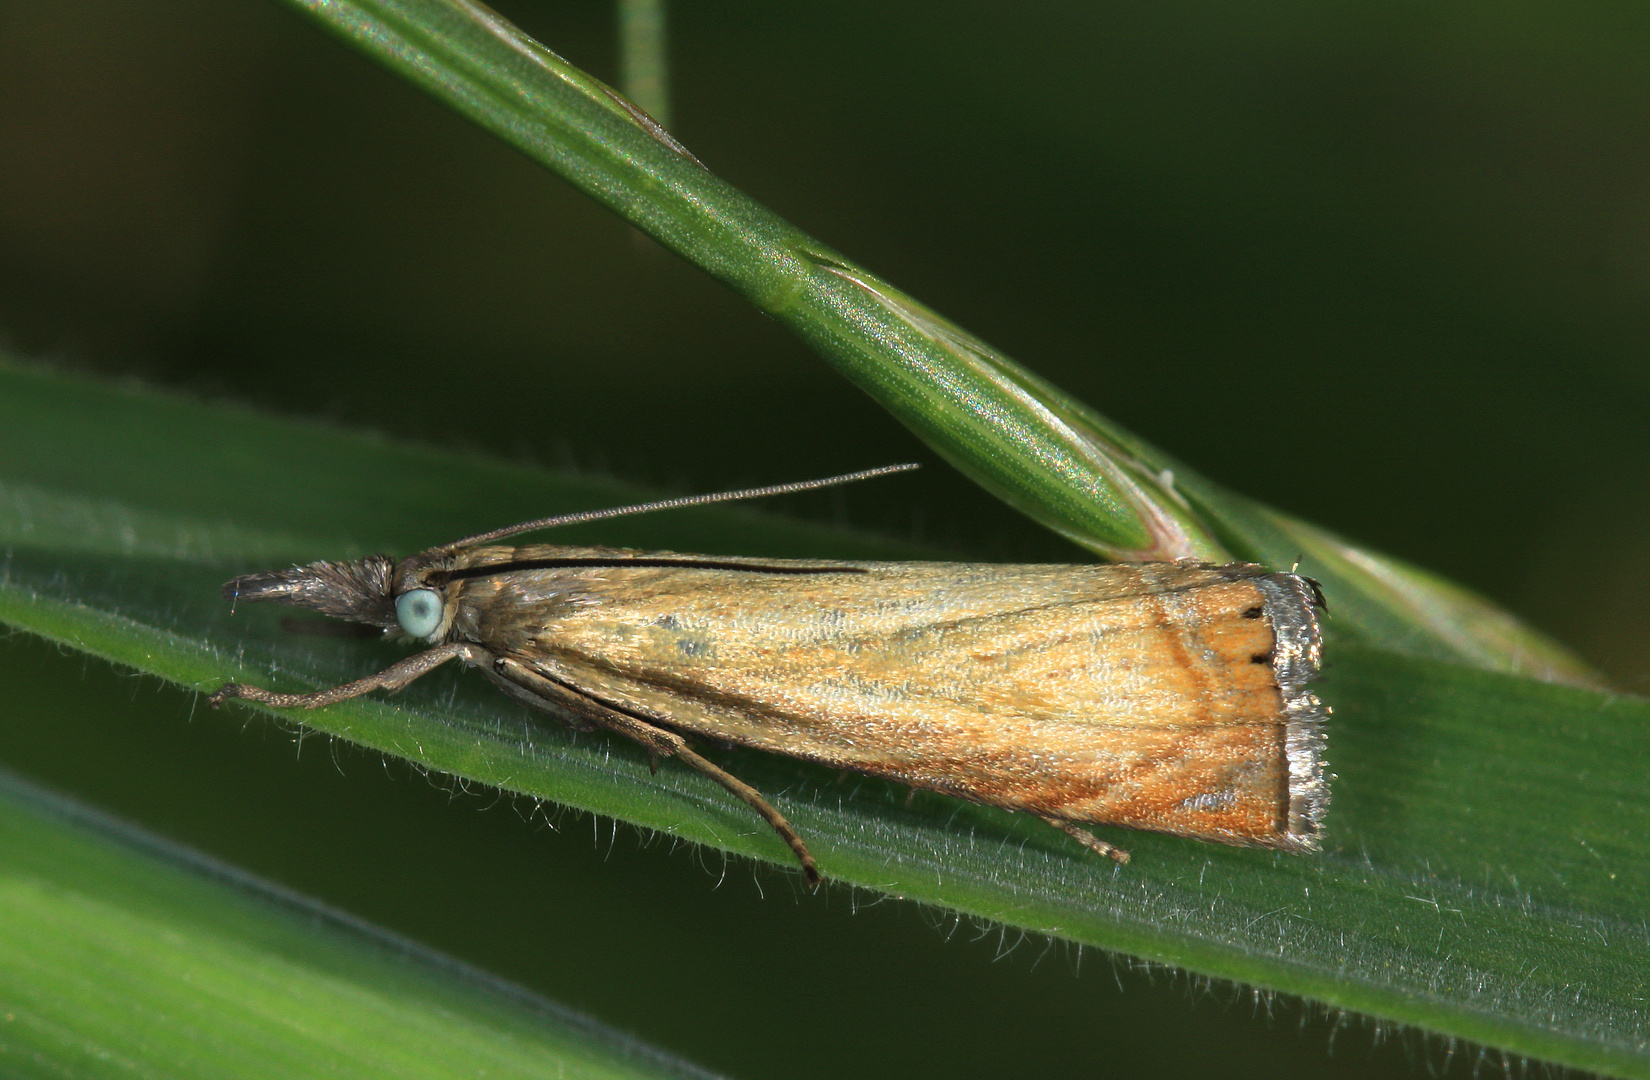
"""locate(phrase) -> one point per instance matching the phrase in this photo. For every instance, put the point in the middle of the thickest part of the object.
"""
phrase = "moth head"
(406, 596)
(360, 591)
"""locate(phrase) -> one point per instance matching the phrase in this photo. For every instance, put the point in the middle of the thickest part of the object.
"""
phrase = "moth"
(1162, 696)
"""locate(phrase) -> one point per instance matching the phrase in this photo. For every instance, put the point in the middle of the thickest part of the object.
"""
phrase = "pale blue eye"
(419, 612)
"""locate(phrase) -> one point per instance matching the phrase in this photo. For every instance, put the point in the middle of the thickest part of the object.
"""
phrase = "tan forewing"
(1138, 695)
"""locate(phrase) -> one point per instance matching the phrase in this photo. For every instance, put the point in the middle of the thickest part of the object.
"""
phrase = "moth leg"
(657, 741)
(747, 794)
(391, 678)
(1088, 839)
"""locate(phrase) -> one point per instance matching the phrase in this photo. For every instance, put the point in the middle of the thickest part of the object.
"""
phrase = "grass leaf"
(1488, 859)
(123, 955)
(1021, 438)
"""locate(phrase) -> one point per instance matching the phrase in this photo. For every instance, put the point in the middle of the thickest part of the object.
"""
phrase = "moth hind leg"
(529, 686)
(1088, 839)
(753, 799)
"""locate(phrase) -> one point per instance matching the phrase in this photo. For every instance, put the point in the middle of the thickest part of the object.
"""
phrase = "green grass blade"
(644, 58)
(124, 956)
(971, 404)
(1488, 863)
(1044, 453)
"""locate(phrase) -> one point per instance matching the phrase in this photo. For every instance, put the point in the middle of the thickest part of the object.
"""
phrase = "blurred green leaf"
(1488, 859)
(122, 955)
(644, 56)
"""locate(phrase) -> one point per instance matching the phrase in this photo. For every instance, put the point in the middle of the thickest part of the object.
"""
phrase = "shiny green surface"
(122, 955)
(1441, 900)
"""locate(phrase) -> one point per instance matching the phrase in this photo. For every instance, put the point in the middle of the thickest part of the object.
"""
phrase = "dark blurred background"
(1417, 235)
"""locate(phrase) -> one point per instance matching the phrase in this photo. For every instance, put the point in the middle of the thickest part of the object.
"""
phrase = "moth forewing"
(1144, 695)
(1161, 696)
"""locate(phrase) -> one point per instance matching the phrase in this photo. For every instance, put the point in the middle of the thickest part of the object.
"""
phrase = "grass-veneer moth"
(1165, 696)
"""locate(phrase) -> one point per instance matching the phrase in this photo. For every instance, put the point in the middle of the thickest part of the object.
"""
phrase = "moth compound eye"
(419, 612)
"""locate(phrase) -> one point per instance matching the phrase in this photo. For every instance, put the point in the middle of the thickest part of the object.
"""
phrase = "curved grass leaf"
(1488, 859)
(122, 955)
(1044, 453)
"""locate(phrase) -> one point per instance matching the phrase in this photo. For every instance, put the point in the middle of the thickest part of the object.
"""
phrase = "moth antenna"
(678, 503)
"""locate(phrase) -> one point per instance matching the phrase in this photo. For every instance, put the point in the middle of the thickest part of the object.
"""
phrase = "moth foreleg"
(391, 678)
(1087, 839)
(658, 741)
